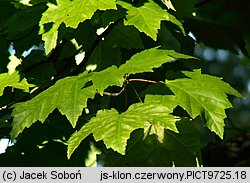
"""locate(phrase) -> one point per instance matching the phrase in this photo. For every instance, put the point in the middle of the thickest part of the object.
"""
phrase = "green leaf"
(168, 4)
(67, 95)
(148, 59)
(24, 20)
(168, 40)
(125, 37)
(105, 55)
(13, 80)
(108, 77)
(184, 9)
(164, 100)
(139, 63)
(50, 39)
(204, 95)
(114, 128)
(160, 147)
(147, 18)
(71, 13)
(110, 16)
(184, 147)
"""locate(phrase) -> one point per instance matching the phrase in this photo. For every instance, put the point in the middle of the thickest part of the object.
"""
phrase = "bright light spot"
(4, 143)
(209, 54)
(86, 110)
(101, 30)
(194, 14)
(12, 65)
(79, 58)
(34, 89)
(25, 2)
(192, 35)
(27, 52)
(11, 49)
(3, 107)
(91, 67)
(74, 42)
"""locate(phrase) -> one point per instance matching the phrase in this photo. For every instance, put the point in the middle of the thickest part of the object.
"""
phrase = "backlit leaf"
(13, 80)
(114, 128)
(168, 4)
(147, 18)
(148, 59)
(204, 95)
(160, 147)
(107, 77)
(71, 13)
(67, 95)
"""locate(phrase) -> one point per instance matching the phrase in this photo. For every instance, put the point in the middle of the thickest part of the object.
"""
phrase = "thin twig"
(137, 95)
(77, 70)
(142, 80)
(126, 99)
(112, 94)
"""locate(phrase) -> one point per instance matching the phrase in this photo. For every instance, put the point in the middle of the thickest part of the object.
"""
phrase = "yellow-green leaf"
(203, 95)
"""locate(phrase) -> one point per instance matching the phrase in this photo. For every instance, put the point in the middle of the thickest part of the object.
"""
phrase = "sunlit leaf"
(71, 13)
(67, 95)
(13, 80)
(204, 95)
(148, 59)
(147, 18)
(114, 128)
(160, 147)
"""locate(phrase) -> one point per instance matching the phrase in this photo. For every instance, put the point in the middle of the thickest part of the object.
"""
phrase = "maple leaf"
(13, 80)
(141, 62)
(148, 59)
(114, 128)
(71, 13)
(168, 4)
(105, 55)
(108, 77)
(125, 37)
(157, 146)
(147, 18)
(204, 95)
(67, 95)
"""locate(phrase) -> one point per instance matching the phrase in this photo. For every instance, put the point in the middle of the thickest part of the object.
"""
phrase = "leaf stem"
(124, 87)
(113, 94)
(136, 93)
(142, 80)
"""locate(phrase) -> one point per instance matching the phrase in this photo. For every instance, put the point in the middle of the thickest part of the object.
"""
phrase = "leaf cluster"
(116, 74)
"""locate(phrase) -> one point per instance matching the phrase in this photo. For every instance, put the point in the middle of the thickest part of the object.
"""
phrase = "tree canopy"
(124, 82)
